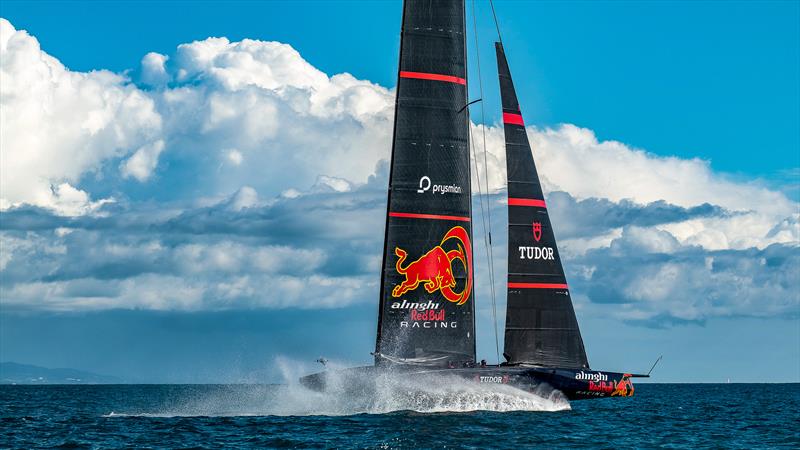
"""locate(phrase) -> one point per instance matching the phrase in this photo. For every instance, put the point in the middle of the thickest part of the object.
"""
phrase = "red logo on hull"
(434, 269)
(622, 388)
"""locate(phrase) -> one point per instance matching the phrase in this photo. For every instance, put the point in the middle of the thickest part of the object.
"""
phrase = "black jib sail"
(426, 312)
(541, 328)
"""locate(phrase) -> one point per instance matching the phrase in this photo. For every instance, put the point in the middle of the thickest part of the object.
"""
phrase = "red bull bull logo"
(613, 388)
(434, 269)
(624, 387)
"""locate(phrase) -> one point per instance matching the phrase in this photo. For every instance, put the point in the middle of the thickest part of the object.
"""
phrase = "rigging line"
(496, 23)
(488, 240)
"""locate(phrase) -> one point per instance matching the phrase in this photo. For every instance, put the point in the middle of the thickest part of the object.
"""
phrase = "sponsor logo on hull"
(434, 269)
(624, 387)
(497, 379)
(602, 386)
(621, 388)
(593, 376)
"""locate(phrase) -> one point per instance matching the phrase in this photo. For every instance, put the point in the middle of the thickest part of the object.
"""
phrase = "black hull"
(574, 384)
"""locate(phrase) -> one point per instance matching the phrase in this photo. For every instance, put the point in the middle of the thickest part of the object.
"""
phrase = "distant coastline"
(13, 373)
(16, 373)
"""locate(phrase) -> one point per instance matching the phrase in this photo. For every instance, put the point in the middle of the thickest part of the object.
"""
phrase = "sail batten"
(541, 327)
(426, 309)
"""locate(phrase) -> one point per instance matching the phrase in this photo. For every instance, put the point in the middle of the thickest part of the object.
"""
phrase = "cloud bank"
(234, 175)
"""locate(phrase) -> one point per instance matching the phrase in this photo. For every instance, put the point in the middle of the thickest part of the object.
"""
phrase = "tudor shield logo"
(434, 269)
(537, 231)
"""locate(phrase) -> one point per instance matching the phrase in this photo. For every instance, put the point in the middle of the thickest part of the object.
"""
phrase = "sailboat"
(426, 313)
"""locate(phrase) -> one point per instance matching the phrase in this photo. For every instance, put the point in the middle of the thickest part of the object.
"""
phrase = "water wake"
(353, 394)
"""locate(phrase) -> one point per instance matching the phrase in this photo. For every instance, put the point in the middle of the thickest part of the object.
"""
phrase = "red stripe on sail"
(526, 202)
(433, 76)
(537, 286)
(428, 216)
(513, 119)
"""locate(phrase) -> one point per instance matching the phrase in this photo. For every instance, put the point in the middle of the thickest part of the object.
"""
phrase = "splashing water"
(349, 394)
(687, 415)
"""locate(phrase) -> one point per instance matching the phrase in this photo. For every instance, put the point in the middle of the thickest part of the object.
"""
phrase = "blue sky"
(193, 214)
(694, 79)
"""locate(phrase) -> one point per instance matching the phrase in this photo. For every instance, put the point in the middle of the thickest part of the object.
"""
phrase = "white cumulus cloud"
(276, 174)
(142, 163)
(154, 71)
(58, 124)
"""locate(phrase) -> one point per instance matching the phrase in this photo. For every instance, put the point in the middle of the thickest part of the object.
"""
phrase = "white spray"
(352, 393)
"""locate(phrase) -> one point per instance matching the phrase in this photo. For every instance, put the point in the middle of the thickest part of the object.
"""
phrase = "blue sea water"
(245, 416)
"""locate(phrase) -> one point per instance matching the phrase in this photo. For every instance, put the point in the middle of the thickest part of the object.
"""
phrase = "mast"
(426, 309)
(541, 327)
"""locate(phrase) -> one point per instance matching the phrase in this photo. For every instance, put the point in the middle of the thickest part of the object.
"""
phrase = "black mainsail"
(541, 328)
(426, 310)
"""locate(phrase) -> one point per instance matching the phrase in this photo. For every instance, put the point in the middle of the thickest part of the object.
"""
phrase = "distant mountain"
(15, 373)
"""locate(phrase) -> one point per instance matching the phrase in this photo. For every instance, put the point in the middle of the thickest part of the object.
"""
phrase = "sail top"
(541, 327)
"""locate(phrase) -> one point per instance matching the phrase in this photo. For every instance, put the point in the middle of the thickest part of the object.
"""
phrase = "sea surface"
(451, 416)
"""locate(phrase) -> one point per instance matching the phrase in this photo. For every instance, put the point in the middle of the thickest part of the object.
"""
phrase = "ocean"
(280, 416)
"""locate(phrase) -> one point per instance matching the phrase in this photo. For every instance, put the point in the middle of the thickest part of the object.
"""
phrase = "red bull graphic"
(621, 388)
(624, 387)
(602, 386)
(434, 269)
